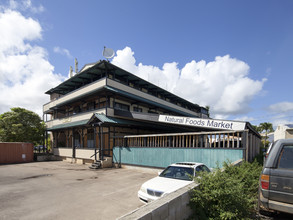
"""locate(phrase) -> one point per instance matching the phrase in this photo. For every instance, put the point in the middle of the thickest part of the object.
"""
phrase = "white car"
(172, 178)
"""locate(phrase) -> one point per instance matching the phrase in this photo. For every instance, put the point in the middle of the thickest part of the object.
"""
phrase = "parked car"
(276, 179)
(40, 148)
(169, 180)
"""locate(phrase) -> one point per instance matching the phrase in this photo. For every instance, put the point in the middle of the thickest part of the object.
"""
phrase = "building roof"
(144, 120)
(69, 125)
(94, 71)
(289, 125)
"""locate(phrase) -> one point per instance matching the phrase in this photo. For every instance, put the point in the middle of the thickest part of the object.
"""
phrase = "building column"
(73, 145)
(95, 146)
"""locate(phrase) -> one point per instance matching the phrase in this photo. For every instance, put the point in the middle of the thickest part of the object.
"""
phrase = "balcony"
(72, 120)
(76, 94)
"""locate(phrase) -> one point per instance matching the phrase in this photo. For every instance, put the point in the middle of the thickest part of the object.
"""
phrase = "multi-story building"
(101, 102)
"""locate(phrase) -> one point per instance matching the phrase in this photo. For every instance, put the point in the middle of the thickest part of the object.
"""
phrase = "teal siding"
(162, 157)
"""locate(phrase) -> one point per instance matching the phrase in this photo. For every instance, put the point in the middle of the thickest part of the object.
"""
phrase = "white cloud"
(223, 84)
(25, 72)
(244, 118)
(281, 120)
(62, 51)
(282, 113)
(22, 5)
(281, 107)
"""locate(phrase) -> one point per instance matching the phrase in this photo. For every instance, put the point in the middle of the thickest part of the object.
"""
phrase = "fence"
(231, 139)
(160, 150)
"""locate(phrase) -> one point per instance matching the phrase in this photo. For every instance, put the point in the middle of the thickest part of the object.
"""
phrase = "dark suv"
(276, 180)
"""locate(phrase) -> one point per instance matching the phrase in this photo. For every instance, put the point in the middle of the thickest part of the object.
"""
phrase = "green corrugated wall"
(162, 157)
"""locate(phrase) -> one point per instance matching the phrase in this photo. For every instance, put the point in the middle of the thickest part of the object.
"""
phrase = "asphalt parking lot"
(61, 190)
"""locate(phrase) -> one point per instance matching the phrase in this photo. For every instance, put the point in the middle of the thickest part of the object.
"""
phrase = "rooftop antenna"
(108, 53)
(70, 71)
(76, 65)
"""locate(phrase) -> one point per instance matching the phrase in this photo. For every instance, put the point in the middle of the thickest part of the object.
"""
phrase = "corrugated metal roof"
(69, 125)
(103, 118)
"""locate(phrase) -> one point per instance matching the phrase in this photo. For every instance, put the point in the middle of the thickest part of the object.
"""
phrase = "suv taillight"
(265, 179)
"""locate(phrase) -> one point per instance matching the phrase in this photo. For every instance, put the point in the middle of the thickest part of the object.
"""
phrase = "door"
(281, 177)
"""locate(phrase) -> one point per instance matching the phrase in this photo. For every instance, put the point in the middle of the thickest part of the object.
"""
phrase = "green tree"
(257, 128)
(21, 125)
(267, 127)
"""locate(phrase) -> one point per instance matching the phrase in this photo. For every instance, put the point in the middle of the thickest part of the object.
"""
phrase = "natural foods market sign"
(205, 123)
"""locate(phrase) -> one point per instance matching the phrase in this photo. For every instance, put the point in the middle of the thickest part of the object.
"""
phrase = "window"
(91, 106)
(76, 110)
(198, 168)
(121, 106)
(90, 138)
(102, 104)
(202, 168)
(137, 109)
(183, 173)
(77, 143)
(285, 159)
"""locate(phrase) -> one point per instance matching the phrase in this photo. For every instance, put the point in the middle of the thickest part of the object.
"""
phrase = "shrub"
(228, 194)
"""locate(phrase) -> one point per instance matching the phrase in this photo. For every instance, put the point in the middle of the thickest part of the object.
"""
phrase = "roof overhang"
(68, 125)
(158, 122)
(102, 68)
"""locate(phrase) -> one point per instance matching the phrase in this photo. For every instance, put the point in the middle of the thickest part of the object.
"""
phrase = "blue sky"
(235, 56)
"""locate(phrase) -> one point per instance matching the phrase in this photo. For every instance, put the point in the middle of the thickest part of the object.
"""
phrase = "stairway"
(96, 165)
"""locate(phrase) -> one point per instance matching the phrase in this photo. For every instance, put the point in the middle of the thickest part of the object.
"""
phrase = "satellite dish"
(108, 53)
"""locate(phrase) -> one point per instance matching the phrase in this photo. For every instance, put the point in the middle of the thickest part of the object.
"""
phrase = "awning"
(102, 118)
(69, 125)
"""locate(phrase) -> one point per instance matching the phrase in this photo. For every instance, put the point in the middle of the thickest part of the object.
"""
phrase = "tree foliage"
(264, 127)
(267, 127)
(228, 194)
(21, 125)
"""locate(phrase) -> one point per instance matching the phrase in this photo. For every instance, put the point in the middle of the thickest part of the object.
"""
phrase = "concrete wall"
(63, 152)
(85, 153)
(283, 132)
(172, 206)
(289, 134)
(82, 156)
(280, 132)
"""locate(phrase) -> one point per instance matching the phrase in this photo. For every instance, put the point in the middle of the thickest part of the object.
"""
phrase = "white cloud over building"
(25, 72)
(62, 51)
(222, 84)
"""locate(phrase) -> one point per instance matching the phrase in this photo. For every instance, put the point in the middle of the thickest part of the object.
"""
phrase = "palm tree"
(267, 127)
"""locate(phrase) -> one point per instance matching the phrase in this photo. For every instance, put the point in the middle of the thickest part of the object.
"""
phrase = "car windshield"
(182, 173)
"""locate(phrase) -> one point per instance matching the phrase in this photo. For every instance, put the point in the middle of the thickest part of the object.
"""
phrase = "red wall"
(16, 152)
